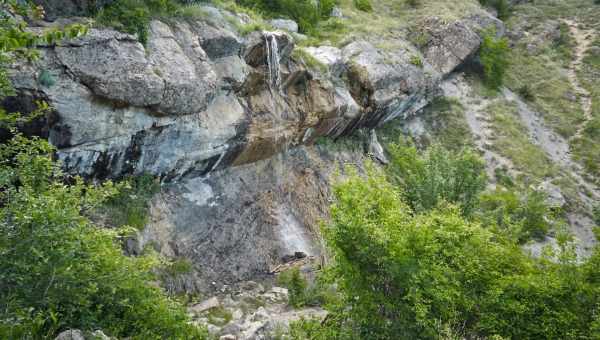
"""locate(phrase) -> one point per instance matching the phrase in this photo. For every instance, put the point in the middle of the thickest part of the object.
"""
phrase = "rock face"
(240, 223)
(223, 119)
(199, 97)
(65, 8)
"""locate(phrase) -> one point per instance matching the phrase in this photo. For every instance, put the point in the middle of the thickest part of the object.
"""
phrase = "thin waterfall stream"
(295, 236)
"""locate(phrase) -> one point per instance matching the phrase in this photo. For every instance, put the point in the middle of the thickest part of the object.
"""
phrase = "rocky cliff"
(222, 118)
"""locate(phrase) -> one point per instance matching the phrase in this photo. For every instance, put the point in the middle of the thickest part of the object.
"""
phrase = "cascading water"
(293, 235)
(273, 59)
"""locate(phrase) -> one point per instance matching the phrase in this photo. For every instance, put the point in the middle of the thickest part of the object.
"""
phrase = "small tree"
(494, 58)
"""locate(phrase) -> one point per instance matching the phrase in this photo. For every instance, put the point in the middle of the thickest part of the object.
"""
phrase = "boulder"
(284, 24)
(72, 334)
(449, 45)
(205, 305)
(384, 83)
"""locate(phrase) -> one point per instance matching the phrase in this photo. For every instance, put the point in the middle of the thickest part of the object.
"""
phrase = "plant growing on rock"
(494, 58)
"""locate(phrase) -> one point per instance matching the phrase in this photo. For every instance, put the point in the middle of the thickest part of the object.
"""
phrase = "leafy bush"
(494, 58)
(526, 92)
(501, 6)
(438, 175)
(133, 16)
(307, 13)
(435, 275)
(58, 271)
(301, 293)
(363, 5)
(521, 217)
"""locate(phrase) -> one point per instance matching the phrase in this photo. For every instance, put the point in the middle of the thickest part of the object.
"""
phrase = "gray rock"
(285, 24)
(72, 334)
(594, 51)
(218, 42)
(327, 55)
(384, 83)
(205, 305)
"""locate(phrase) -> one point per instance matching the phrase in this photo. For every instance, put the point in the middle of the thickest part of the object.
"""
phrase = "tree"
(435, 274)
(494, 58)
(438, 175)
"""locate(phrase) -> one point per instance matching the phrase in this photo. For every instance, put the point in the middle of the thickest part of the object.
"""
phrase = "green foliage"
(494, 58)
(57, 270)
(438, 175)
(416, 60)
(363, 5)
(520, 217)
(307, 13)
(134, 16)
(501, 6)
(435, 275)
(596, 215)
(526, 92)
(302, 293)
(296, 284)
(46, 78)
(130, 206)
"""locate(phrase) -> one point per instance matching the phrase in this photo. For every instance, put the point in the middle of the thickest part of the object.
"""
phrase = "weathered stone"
(205, 305)
(72, 334)
(449, 45)
(284, 24)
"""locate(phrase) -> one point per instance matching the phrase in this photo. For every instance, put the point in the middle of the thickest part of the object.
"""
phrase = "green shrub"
(363, 5)
(133, 16)
(435, 275)
(416, 60)
(520, 217)
(301, 293)
(307, 13)
(494, 58)
(501, 6)
(58, 271)
(526, 92)
(439, 175)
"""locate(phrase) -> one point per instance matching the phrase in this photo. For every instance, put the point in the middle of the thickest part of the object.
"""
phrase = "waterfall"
(273, 61)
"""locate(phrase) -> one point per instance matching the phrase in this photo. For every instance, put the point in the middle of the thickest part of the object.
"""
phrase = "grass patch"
(311, 62)
(445, 119)
(512, 141)
(586, 149)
